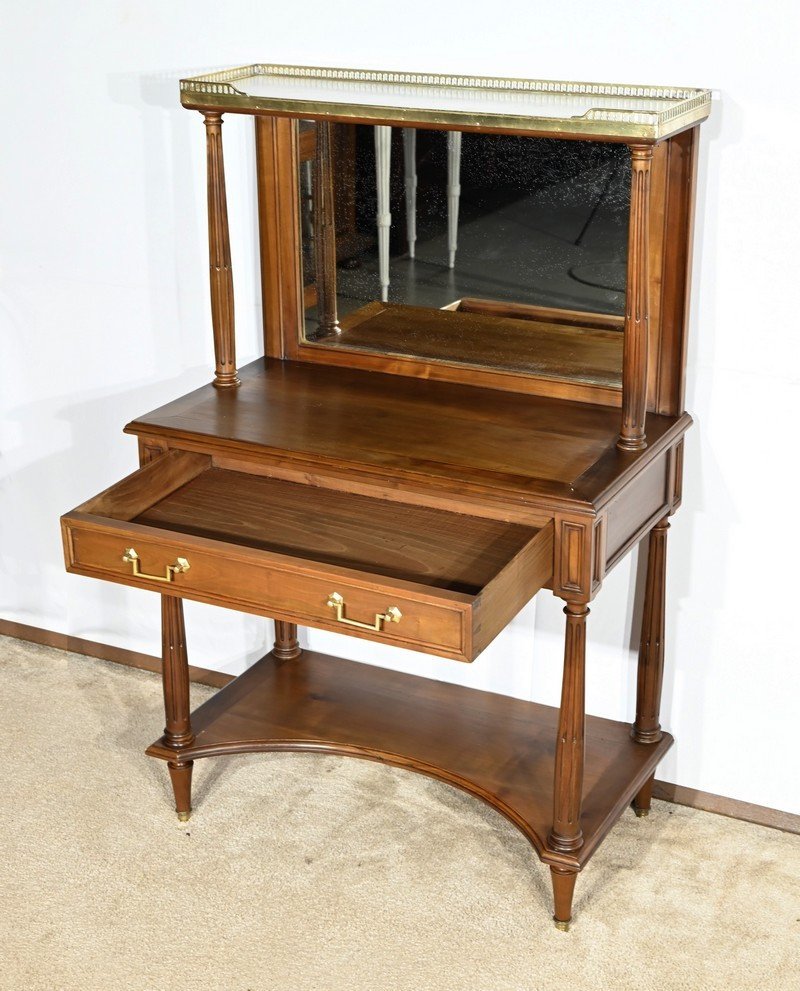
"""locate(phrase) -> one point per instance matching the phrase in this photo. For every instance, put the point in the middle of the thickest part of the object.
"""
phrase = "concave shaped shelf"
(497, 748)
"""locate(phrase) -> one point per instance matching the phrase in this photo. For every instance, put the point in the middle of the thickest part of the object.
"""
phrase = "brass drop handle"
(132, 558)
(336, 602)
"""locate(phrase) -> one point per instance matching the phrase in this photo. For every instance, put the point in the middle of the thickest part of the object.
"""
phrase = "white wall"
(105, 315)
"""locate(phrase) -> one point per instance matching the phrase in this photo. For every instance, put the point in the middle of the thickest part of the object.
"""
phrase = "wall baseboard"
(664, 790)
(733, 808)
(105, 652)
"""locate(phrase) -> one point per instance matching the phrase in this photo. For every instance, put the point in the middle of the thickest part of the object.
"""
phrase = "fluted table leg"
(647, 728)
(287, 646)
(566, 835)
(175, 675)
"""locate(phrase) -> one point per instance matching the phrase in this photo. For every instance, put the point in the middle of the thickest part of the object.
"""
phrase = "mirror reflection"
(497, 251)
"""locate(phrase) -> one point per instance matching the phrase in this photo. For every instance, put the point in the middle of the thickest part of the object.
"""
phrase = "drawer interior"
(428, 546)
(282, 549)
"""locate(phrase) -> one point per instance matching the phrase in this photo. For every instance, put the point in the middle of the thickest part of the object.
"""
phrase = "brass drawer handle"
(392, 614)
(132, 558)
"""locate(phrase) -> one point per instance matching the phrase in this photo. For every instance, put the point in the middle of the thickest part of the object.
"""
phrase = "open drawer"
(430, 580)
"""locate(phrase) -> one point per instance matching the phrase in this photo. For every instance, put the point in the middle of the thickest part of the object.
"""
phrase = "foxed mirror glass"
(496, 251)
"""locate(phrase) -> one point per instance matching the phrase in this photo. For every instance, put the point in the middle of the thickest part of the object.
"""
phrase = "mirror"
(496, 251)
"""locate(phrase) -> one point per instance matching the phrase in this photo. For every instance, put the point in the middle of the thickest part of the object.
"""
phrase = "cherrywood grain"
(282, 549)
(498, 748)
(636, 504)
(139, 490)
(278, 227)
(508, 591)
(674, 275)
(438, 621)
(435, 434)
(435, 548)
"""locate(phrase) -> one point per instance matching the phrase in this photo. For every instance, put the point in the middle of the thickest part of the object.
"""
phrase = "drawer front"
(295, 591)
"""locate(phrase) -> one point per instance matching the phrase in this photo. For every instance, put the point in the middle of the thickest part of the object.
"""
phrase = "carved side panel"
(151, 448)
(278, 153)
(579, 557)
(636, 507)
(572, 552)
(599, 554)
(676, 475)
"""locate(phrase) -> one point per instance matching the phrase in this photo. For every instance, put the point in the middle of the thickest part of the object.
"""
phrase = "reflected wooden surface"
(576, 353)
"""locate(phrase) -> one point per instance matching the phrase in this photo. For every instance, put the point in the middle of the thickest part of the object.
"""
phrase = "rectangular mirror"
(493, 251)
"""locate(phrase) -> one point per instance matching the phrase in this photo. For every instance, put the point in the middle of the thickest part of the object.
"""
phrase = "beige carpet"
(301, 872)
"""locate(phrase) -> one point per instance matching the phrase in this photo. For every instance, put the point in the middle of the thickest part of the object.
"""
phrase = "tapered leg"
(175, 673)
(180, 774)
(383, 158)
(287, 646)
(566, 834)
(563, 889)
(646, 728)
(643, 798)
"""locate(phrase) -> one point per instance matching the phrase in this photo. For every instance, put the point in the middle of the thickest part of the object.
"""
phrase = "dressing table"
(412, 470)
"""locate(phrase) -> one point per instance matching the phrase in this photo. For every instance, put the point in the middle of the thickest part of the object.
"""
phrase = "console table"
(414, 475)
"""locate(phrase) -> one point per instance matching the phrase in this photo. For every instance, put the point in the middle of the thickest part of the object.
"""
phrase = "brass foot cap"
(561, 926)
(642, 813)
(184, 816)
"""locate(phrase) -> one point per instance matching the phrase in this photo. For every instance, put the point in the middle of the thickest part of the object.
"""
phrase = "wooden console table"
(414, 500)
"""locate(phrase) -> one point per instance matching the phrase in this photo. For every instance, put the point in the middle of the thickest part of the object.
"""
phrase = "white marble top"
(619, 110)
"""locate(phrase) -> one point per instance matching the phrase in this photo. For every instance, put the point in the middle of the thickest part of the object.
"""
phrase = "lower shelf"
(497, 748)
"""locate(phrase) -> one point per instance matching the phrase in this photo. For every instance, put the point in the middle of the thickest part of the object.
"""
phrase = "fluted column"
(566, 834)
(637, 306)
(646, 728)
(287, 646)
(325, 234)
(219, 258)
